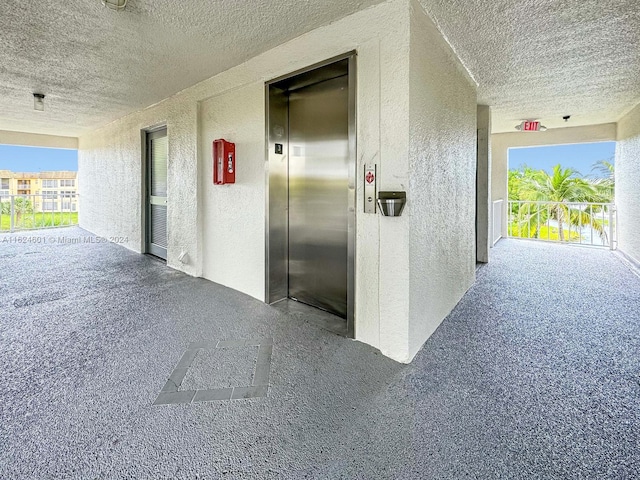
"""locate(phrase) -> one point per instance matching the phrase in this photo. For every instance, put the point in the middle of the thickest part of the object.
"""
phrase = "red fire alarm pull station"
(224, 162)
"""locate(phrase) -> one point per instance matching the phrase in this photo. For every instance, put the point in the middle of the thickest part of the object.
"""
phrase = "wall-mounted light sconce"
(115, 4)
(38, 102)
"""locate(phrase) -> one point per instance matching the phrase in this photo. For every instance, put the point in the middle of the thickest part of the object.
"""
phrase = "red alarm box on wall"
(224, 162)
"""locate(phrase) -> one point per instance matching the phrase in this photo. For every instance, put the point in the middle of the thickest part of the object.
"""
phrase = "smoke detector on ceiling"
(115, 4)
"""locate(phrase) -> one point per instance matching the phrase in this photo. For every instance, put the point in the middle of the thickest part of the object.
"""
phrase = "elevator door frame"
(276, 244)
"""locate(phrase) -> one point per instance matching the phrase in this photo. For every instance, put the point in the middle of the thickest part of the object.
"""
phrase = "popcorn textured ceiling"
(532, 59)
(542, 59)
(96, 65)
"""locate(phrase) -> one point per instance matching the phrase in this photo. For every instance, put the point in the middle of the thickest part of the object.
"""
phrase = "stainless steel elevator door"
(318, 194)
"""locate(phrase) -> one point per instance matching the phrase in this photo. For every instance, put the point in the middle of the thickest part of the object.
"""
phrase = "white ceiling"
(96, 65)
(542, 59)
(537, 59)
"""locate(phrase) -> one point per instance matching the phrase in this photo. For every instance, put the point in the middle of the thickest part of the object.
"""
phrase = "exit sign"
(530, 126)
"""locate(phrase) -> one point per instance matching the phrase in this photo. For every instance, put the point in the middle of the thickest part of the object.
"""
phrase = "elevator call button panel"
(370, 188)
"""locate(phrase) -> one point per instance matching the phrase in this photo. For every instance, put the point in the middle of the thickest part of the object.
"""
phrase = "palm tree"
(561, 187)
(22, 206)
(604, 178)
(517, 179)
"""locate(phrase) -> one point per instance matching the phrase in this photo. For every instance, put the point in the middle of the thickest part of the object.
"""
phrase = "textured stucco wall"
(483, 183)
(234, 215)
(628, 184)
(233, 222)
(36, 140)
(231, 105)
(442, 194)
(501, 142)
(110, 170)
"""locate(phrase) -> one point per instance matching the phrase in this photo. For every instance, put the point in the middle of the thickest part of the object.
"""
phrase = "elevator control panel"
(370, 188)
(279, 148)
(224, 162)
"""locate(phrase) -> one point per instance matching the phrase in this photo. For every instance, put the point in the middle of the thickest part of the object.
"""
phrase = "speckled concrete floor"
(536, 374)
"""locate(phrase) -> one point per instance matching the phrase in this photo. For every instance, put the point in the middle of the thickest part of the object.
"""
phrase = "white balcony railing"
(496, 221)
(32, 212)
(567, 222)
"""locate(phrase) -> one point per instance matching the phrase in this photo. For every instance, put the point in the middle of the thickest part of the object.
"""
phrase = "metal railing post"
(12, 212)
(611, 247)
(593, 215)
(45, 208)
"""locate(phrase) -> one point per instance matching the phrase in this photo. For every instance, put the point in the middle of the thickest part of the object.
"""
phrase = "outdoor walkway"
(536, 374)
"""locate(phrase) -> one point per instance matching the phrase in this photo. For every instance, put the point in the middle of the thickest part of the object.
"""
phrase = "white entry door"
(157, 153)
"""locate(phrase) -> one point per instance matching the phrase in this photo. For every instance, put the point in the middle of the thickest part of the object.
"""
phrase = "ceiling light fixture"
(38, 102)
(115, 4)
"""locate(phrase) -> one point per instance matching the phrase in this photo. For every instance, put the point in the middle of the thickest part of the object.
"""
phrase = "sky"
(580, 156)
(36, 159)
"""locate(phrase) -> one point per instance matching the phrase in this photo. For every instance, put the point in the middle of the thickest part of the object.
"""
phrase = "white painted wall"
(501, 142)
(233, 216)
(222, 228)
(628, 184)
(483, 183)
(231, 105)
(442, 176)
(36, 140)
(110, 170)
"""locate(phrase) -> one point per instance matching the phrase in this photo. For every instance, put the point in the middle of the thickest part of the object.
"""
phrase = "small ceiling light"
(566, 118)
(115, 4)
(38, 102)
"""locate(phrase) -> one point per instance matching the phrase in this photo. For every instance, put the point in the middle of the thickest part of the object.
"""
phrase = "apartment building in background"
(55, 191)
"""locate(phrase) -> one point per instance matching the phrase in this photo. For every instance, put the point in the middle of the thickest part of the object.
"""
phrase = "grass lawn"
(546, 233)
(39, 220)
